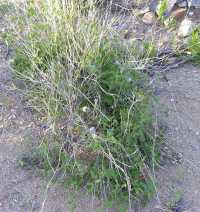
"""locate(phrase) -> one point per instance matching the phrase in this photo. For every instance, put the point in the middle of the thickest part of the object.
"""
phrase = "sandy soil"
(179, 179)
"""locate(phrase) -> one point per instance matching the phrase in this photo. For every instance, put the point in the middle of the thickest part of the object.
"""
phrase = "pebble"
(85, 109)
(172, 100)
(191, 13)
(143, 11)
(186, 28)
(149, 18)
(92, 130)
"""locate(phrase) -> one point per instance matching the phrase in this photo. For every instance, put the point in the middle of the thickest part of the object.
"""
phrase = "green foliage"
(144, 51)
(149, 50)
(170, 23)
(5, 8)
(91, 97)
(22, 62)
(194, 46)
(161, 9)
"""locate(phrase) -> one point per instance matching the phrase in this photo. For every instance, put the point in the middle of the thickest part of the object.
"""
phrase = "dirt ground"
(179, 179)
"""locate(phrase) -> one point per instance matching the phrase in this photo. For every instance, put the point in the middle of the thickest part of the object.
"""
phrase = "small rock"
(191, 13)
(85, 109)
(93, 131)
(149, 18)
(142, 11)
(172, 100)
(178, 14)
(186, 28)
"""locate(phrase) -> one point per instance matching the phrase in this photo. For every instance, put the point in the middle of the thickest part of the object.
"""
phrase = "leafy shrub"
(93, 100)
(194, 46)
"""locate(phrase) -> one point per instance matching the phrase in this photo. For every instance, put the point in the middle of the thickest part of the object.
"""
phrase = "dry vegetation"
(83, 82)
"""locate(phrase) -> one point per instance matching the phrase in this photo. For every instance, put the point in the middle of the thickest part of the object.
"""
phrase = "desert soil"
(179, 177)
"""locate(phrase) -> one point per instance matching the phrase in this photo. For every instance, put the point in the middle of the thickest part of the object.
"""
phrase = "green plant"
(149, 50)
(194, 46)
(163, 14)
(170, 23)
(91, 97)
(5, 8)
(161, 9)
(175, 200)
